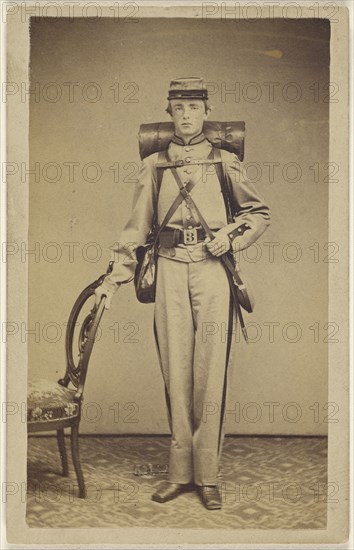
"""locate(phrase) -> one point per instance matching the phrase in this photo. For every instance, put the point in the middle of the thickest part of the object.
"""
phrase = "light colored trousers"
(194, 321)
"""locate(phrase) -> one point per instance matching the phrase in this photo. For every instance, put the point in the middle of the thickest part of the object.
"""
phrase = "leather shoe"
(167, 491)
(211, 497)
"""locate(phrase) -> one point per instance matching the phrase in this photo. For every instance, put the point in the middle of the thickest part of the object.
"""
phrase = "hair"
(207, 107)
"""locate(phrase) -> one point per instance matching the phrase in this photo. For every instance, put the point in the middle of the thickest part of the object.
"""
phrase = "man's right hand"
(107, 289)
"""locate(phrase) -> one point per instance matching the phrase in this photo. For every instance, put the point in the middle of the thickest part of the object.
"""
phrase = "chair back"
(78, 347)
(155, 137)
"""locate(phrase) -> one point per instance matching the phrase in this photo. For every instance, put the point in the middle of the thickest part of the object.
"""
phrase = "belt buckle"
(190, 236)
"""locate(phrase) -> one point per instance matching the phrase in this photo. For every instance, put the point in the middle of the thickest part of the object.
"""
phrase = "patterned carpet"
(266, 482)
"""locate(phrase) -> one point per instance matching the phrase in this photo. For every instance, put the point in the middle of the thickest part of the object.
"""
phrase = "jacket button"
(187, 149)
(187, 160)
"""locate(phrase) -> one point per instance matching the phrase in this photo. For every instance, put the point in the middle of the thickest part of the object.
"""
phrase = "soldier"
(192, 291)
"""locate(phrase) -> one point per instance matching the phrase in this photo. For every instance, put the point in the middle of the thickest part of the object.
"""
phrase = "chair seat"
(48, 400)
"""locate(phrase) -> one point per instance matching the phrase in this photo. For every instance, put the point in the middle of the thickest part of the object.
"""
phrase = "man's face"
(188, 116)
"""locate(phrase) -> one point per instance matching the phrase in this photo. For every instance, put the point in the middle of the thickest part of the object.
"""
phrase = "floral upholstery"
(48, 400)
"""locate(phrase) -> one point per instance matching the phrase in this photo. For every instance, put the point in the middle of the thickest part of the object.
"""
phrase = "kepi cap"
(191, 87)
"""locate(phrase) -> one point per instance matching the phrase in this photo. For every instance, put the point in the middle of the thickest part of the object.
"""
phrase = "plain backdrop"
(92, 84)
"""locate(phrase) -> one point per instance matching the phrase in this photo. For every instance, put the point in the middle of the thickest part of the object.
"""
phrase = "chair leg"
(76, 460)
(62, 451)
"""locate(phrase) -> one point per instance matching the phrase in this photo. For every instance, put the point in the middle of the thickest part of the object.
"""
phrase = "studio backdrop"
(93, 82)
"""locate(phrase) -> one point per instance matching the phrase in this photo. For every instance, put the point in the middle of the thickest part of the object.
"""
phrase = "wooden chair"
(55, 405)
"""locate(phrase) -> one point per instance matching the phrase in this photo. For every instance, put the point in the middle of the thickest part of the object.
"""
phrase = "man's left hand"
(219, 245)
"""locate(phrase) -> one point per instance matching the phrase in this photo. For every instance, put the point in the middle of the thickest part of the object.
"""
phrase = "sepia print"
(178, 209)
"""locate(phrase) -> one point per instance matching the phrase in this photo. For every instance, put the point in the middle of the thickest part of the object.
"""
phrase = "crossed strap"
(163, 163)
(231, 272)
(178, 200)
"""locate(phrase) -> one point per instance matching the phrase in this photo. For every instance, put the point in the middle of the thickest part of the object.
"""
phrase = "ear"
(206, 115)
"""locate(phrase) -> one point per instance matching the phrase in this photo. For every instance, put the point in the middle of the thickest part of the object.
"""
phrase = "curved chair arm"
(76, 374)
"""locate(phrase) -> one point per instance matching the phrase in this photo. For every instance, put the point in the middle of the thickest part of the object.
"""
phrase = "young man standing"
(192, 286)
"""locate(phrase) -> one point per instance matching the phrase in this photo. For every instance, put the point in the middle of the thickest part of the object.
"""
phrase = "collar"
(199, 138)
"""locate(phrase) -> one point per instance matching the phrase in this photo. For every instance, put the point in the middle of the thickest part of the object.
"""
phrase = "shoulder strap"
(225, 186)
(162, 157)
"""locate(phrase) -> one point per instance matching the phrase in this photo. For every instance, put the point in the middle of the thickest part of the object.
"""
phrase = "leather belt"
(169, 237)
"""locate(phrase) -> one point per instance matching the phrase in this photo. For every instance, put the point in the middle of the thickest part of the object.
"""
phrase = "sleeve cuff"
(110, 286)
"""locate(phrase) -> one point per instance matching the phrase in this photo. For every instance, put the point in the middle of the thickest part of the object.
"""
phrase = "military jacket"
(207, 195)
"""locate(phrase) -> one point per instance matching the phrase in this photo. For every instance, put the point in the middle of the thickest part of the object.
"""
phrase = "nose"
(186, 113)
